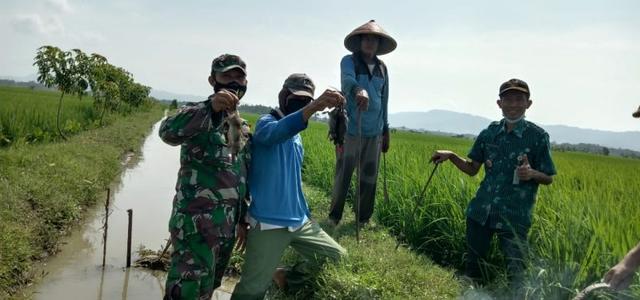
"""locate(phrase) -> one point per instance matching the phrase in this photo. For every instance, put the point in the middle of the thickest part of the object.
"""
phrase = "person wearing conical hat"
(621, 275)
(365, 84)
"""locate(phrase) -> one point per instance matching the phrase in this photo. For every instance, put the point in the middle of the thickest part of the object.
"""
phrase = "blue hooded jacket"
(355, 75)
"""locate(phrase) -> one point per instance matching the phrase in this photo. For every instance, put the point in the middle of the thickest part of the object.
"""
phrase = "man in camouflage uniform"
(517, 158)
(211, 187)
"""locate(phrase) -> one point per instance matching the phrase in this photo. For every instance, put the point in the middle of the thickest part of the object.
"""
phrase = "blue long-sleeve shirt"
(276, 171)
(355, 75)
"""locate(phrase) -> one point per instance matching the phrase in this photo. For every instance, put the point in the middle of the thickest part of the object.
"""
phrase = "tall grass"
(29, 116)
(583, 223)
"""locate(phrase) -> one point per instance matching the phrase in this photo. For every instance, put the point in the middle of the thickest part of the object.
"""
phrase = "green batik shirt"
(501, 197)
(211, 186)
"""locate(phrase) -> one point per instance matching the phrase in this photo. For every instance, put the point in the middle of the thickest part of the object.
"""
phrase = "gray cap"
(300, 84)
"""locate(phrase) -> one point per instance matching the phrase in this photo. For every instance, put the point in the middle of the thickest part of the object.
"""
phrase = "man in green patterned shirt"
(516, 155)
(212, 184)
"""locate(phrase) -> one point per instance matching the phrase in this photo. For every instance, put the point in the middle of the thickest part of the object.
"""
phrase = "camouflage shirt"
(211, 186)
(500, 198)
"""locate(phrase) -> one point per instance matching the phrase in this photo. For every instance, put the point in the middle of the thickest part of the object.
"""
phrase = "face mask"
(294, 105)
(233, 87)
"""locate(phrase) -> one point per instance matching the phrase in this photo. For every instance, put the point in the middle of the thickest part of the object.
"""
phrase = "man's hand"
(362, 99)
(386, 142)
(524, 171)
(441, 156)
(241, 236)
(470, 167)
(224, 101)
(620, 276)
(329, 98)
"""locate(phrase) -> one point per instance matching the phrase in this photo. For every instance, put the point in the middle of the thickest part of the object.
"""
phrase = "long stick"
(106, 227)
(384, 175)
(424, 190)
(130, 213)
(166, 247)
(359, 157)
(419, 204)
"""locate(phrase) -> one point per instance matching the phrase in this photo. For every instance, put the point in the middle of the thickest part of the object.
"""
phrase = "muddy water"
(147, 187)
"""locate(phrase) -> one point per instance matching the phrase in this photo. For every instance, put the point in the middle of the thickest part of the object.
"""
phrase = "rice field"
(29, 116)
(584, 222)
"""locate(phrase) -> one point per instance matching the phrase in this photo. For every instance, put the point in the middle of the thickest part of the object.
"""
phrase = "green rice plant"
(29, 116)
(583, 223)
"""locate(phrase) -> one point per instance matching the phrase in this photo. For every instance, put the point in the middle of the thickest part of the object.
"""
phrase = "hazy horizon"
(579, 57)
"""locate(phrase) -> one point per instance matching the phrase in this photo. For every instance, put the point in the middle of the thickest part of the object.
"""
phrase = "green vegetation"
(74, 73)
(373, 269)
(584, 222)
(46, 187)
(28, 116)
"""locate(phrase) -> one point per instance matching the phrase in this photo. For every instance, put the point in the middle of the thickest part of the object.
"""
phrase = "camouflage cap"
(300, 84)
(226, 62)
(514, 84)
(636, 114)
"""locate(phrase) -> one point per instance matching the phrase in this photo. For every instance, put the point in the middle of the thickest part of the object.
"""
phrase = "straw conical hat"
(636, 114)
(386, 45)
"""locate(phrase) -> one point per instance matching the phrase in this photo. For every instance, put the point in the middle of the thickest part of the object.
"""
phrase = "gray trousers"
(346, 162)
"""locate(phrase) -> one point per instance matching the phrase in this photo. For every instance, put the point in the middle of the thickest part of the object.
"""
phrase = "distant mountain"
(440, 120)
(461, 123)
(27, 78)
(31, 84)
(164, 95)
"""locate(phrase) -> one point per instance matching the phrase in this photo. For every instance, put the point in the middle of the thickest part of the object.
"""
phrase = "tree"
(105, 87)
(68, 71)
(74, 72)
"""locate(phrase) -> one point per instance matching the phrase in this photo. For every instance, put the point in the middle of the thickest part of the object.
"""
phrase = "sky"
(580, 58)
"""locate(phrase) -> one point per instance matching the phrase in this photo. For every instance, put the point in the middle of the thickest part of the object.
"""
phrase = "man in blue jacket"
(365, 83)
(278, 214)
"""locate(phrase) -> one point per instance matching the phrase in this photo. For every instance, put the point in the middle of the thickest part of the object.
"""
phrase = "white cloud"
(90, 38)
(62, 6)
(37, 24)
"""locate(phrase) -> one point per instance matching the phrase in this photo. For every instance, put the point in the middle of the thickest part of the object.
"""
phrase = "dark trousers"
(513, 245)
(346, 163)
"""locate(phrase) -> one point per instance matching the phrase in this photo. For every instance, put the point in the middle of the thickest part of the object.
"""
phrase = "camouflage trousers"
(198, 263)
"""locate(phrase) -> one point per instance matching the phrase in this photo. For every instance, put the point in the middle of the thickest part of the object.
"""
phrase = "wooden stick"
(130, 213)
(106, 227)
